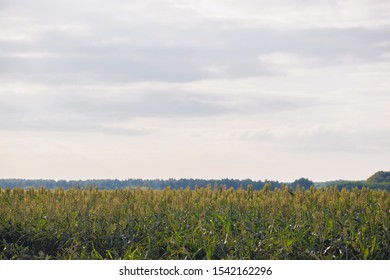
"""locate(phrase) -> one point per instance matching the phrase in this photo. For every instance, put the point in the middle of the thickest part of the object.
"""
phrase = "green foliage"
(303, 183)
(109, 184)
(349, 185)
(205, 223)
(378, 181)
(379, 177)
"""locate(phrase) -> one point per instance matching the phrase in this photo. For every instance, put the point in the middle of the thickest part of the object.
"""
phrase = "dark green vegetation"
(378, 181)
(205, 223)
(379, 177)
(109, 184)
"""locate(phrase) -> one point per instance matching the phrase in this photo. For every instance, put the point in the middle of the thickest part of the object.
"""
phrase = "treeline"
(121, 184)
(378, 181)
(349, 185)
(158, 184)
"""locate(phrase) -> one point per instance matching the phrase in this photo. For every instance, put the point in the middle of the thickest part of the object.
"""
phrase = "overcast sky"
(259, 89)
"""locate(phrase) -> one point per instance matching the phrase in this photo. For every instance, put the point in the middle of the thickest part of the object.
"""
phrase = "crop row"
(205, 223)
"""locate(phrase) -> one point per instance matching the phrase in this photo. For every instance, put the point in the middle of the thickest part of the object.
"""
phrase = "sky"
(274, 90)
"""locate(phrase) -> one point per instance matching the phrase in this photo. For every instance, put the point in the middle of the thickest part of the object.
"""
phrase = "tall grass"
(205, 223)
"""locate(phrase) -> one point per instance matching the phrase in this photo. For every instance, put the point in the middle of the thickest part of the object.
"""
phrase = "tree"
(380, 177)
(302, 182)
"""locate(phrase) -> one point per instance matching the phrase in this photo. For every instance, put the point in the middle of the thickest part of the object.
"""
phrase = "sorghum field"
(205, 223)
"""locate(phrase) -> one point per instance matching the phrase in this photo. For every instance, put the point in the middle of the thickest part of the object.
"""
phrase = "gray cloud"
(97, 47)
(373, 141)
(59, 108)
(321, 140)
(266, 78)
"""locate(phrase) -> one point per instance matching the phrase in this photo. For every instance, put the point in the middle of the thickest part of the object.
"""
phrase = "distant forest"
(133, 183)
(379, 180)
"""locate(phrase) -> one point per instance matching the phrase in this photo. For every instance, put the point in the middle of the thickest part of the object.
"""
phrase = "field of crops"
(205, 223)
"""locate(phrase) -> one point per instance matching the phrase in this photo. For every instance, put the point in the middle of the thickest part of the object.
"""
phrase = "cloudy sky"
(194, 89)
